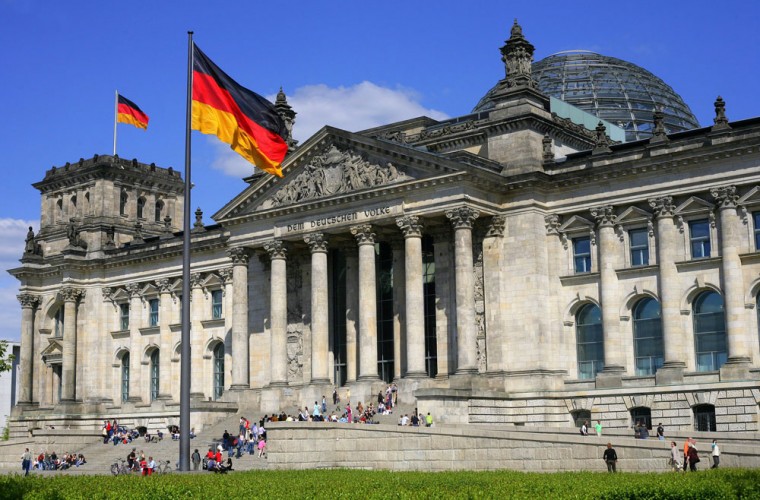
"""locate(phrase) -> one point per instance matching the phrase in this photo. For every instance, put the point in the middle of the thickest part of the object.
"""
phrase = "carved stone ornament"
(31, 247)
(334, 172)
(28, 300)
(604, 215)
(276, 249)
(725, 196)
(198, 224)
(107, 293)
(517, 55)
(650, 227)
(662, 206)
(239, 256)
(721, 122)
(552, 224)
(548, 150)
(620, 232)
(410, 225)
(225, 275)
(75, 239)
(71, 294)
(462, 217)
(163, 285)
(133, 290)
(601, 141)
(659, 134)
(497, 226)
(196, 280)
(317, 242)
(363, 234)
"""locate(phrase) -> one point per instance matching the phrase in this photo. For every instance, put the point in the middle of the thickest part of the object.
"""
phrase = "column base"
(164, 397)
(670, 374)
(735, 369)
(418, 374)
(239, 387)
(368, 378)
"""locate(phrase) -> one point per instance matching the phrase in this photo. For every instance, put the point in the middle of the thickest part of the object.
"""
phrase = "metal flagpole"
(184, 391)
(115, 119)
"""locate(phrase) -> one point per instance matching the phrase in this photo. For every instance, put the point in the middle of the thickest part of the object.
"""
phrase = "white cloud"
(358, 107)
(12, 236)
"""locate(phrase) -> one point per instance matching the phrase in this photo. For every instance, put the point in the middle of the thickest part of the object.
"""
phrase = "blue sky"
(352, 65)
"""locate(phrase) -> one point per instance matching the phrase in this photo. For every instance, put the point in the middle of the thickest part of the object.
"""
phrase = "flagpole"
(115, 119)
(184, 392)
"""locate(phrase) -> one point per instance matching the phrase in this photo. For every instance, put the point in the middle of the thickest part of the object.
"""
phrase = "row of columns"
(462, 219)
(675, 341)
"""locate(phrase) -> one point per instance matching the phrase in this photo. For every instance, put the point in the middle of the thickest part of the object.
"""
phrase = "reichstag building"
(578, 247)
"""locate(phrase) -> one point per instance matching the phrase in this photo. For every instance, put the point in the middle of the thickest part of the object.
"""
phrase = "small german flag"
(128, 112)
(239, 117)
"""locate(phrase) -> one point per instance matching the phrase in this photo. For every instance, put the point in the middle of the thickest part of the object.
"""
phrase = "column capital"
(71, 294)
(462, 217)
(163, 285)
(225, 275)
(604, 215)
(662, 206)
(196, 280)
(725, 196)
(239, 256)
(363, 234)
(497, 226)
(28, 300)
(317, 242)
(276, 249)
(410, 225)
(552, 224)
(133, 290)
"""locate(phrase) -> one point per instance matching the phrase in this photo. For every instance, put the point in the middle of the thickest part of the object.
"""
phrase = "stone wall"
(325, 445)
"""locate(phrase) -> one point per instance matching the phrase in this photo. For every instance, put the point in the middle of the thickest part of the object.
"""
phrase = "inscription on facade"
(339, 219)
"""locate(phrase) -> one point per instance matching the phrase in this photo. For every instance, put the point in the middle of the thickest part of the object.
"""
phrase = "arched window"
(590, 342)
(580, 416)
(647, 336)
(704, 418)
(218, 370)
(59, 207)
(140, 207)
(154, 375)
(74, 203)
(58, 332)
(123, 202)
(125, 378)
(709, 331)
(642, 415)
(159, 212)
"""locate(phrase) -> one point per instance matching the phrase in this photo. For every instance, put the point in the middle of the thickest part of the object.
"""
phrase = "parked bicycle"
(163, 467)
(121, 467)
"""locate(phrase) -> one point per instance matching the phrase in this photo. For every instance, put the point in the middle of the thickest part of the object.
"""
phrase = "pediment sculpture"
(334, 172)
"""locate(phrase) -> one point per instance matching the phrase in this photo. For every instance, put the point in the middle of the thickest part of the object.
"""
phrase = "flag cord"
(115, 118)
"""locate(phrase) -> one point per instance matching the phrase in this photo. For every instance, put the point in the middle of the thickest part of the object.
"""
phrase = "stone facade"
(507, 268)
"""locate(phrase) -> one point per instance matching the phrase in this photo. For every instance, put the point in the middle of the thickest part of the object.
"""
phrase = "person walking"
(610, 458)
(598, 428)
(715, 454)
(693, 456)
(660, 432)
(674, 455)
(26, 461)
(428, 420)
(196, 459)
(584, 428)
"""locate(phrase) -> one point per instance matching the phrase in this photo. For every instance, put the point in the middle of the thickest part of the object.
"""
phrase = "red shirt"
(218, 456)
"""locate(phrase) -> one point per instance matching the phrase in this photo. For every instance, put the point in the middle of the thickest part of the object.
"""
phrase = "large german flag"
(241, 118)
(128, 112)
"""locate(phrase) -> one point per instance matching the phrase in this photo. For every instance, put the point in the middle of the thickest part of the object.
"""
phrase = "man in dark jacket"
(610, 458)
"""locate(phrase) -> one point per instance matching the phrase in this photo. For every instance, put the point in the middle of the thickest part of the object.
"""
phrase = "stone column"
(136, 388)
(608, 248)
(732, 282)
(367, 302)
(240, 355)
(199, 384)
(320, 370)
(68, 371)
(674, 341)
(165, 339)
(352, 312)
(415, 303)
(462, 219)
(278, 318)
(28, 303)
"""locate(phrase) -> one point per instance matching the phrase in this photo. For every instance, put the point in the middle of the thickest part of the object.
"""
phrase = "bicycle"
(121, 467)
(163, 467)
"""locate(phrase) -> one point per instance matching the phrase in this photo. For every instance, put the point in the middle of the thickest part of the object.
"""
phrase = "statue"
(75, 239)
(29, 247)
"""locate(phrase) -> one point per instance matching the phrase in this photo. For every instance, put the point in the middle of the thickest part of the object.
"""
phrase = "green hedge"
(363, 485)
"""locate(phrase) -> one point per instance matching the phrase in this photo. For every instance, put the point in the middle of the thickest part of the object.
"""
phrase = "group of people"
(691, 455)
(213, 461)
(50, 461)
(416, 420)
(115, 433)
(251, 437)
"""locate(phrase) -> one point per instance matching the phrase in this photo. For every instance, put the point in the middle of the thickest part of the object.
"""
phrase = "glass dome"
(611, 89)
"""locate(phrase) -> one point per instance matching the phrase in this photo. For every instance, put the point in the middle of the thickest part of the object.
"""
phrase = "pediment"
(751, 198)
(576, 223)
(694, 205)
(634, 215)
(335, 164)
(53, 352)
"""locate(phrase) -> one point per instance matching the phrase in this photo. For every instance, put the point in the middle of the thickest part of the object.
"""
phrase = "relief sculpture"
(334, 172)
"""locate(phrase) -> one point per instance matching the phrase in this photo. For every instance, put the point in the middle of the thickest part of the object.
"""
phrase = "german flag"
(241, 118)
(128, 112)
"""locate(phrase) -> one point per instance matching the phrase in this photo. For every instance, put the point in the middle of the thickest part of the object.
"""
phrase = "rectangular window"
(582, 255)
(216, 304)
(756, 225)
(699, 236)
(124, 316)
(153, 303)
(639, 240)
